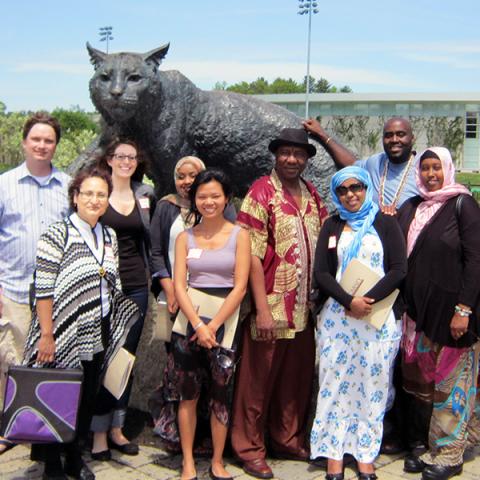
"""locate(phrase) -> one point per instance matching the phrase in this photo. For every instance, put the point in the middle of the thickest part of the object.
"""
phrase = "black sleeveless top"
(130, 235)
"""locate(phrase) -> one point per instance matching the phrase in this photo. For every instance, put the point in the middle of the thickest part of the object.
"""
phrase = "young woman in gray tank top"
(213, 254)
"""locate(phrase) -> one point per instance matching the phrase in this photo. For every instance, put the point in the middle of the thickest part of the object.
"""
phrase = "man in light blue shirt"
(32, 196)
(392, 171)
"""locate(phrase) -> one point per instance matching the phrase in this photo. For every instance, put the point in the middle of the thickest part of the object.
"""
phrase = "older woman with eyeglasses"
(81, 317)
(355, 357)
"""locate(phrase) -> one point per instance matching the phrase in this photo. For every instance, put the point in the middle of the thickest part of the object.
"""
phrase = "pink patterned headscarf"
(433, 200)
(425, 211)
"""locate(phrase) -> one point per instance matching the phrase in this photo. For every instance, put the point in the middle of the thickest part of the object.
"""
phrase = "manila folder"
(207, 305)
(357, 280)
(118, 372)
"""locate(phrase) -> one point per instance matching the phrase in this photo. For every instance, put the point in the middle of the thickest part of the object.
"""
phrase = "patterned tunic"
(354, 365)
(284, 238)
(68, 272)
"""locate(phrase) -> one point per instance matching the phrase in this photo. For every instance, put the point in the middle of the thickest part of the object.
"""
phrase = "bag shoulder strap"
(458, 207)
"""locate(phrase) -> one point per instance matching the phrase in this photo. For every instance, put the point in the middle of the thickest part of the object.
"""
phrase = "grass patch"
(468, 179)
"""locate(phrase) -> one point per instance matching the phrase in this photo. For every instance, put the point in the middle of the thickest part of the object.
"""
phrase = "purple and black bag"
(41, 404)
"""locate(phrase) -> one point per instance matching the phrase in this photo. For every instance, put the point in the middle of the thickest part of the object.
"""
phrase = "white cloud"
(453, 61)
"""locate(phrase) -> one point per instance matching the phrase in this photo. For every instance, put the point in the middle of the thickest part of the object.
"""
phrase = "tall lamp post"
(105, 34)
(307, 7)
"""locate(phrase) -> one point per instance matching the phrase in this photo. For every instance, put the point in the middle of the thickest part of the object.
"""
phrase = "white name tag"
(144, 202)
(194, 253)
(108, 252)
(332, 242)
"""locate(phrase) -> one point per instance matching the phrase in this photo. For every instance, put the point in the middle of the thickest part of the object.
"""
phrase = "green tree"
(74, 121)
(78, 131)
(281, 85)
(322, 86)
(220, 85)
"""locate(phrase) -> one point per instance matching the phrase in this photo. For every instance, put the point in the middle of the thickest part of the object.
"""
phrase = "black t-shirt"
(130, 235)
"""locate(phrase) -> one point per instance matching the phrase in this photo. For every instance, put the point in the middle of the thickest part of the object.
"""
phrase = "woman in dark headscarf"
(355, 357)
(441, 328)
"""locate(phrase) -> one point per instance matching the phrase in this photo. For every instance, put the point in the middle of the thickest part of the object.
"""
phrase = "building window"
(471, 125)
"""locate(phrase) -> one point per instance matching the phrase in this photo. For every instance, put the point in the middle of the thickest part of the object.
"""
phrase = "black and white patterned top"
(68, 271)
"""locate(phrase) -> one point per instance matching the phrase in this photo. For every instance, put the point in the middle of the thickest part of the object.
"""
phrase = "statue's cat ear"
(96, 56)
(156, 55)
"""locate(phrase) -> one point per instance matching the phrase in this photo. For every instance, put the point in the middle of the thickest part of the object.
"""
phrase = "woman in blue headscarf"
(354, 356)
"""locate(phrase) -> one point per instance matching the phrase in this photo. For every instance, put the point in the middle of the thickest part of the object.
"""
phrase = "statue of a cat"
(169, 117)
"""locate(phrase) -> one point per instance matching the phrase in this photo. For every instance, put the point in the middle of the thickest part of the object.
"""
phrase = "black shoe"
(54, 470)
(128, 448)
(334, 476)
(54, 476)
(103, 456)
(413, 464)
(82, 473)
(439, 472)
(214, 477)
(367, 476)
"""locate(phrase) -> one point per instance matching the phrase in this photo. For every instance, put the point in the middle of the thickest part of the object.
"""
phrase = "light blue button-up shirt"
(27, 208)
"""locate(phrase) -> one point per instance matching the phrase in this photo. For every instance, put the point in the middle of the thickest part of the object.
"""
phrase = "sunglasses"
(341, 191)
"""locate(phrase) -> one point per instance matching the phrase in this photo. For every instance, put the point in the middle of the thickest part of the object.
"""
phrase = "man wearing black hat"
(283, 213)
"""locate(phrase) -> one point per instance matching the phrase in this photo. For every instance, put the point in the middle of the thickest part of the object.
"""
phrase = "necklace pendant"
(102, 271)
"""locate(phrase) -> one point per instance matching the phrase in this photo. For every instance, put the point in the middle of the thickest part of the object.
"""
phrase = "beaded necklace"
(400, 185)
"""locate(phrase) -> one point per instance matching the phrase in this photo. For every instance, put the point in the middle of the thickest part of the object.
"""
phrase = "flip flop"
(7, 444)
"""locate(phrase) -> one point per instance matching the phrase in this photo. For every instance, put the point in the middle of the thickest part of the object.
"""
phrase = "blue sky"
(370, 45)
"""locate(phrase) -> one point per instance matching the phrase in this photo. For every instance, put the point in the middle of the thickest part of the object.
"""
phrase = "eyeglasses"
(120, 157)
(90, 195)
(297, 154)
(341, 191)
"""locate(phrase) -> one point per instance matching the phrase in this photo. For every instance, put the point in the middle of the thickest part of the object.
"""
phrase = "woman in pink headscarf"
(442, 324)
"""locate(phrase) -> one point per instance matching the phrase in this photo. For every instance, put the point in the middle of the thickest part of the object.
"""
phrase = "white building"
(450, 119)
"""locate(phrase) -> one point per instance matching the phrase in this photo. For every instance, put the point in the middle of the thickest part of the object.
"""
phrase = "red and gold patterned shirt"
(284, 238)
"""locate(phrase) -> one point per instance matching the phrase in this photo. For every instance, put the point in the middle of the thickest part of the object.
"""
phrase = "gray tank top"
(212, 268)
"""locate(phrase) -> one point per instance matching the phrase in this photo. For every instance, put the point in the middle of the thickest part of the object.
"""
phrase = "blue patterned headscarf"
(360, 222)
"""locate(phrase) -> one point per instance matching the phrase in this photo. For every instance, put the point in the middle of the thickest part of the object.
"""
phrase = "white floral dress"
(354, 365)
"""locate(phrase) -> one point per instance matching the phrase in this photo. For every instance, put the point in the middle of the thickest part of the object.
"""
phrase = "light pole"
(306, 7)
(105, 34)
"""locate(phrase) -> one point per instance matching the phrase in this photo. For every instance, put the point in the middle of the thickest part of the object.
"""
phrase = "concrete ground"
(154, 463)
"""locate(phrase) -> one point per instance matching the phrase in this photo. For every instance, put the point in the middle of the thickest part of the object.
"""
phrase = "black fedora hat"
(293, 136)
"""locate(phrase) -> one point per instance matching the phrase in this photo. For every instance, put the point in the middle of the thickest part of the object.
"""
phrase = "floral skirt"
(446, 379)
(192, 372)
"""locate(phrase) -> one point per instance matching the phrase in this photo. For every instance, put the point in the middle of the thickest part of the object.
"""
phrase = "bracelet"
(198, 325)
(328, 139)
(463, 312)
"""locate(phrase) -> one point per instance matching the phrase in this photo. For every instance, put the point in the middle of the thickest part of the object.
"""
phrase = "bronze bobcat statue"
(170, 117)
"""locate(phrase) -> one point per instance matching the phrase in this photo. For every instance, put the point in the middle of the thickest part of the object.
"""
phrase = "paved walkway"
(154, 463)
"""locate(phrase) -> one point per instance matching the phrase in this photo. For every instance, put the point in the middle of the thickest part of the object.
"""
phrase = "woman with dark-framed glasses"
(354, 357)
(130, 208)
(442, 324)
